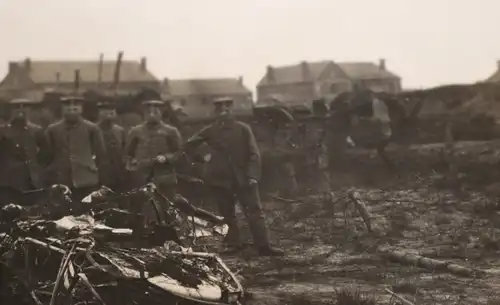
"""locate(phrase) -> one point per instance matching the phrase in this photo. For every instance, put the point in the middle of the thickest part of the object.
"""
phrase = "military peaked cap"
(153, 103)
(106, 105)
(71, 100)
(21, 102)
(223, 100)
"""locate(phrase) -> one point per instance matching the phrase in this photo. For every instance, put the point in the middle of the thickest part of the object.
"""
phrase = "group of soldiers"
(85, 156)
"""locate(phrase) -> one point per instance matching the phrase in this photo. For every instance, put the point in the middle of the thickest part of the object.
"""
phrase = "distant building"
(306, 81)
(495, 78)
(195, 96)
(32, 78)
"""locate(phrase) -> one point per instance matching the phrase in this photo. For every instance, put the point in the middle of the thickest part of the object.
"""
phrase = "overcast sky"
(426, 42)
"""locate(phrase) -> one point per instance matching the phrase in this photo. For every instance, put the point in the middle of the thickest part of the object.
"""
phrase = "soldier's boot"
(270, 251)
(250, 202)
(261, 238)
(232, 242)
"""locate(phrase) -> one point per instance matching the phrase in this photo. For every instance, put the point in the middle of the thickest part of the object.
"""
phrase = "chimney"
(240, 80)
(166, 85)
(27, 64)
(270, 74)
(498, 65)
(77, 81)
(306, 72)
(381, 64)
(58, 79)
(143, 63)
(12, 66)
(99, 70)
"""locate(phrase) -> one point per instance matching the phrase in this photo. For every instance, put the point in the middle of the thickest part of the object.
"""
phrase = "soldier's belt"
(140, 164)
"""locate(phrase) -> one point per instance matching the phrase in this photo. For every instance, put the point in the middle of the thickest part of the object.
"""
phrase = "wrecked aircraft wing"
(84, 259)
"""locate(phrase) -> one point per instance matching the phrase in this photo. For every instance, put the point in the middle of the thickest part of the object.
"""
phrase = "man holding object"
(232, 173)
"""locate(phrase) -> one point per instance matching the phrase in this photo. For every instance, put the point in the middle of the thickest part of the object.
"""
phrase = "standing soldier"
(319, 152)
(23, 154)
(149, 148)
(233, 173)
(113, 172)
(285, 150)
(77, 148)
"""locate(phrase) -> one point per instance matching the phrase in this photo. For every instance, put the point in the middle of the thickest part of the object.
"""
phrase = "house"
(495, 78)
(195, 96)
(32, 78)
(306, 81)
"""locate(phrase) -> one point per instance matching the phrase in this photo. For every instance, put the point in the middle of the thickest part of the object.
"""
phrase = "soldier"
(77, 148)
(23, 154)
(233, 173)
(149, 148)
(113, 172)
(285, 167)
(320, 152)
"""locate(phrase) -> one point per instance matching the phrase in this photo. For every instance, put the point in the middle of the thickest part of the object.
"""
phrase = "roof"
(355, 70)
(45, 71)
(211, 86)
(365, 70)
(293, 73)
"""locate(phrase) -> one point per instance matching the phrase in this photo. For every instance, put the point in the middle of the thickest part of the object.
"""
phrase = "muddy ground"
(421, 208)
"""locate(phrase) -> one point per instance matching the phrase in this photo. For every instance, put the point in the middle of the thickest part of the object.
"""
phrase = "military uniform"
(234, 165)
(113, 173)
(23, 156)
(285, 167)
(144, 144)
(77, 155)
(113, 163)
(320, 161)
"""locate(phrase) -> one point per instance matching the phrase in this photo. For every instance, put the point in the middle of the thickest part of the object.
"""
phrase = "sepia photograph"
(250, 152)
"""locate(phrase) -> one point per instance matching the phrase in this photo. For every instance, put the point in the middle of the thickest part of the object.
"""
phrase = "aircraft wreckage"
(102, 256)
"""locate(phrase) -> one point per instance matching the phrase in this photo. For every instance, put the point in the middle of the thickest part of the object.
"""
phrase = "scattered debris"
(429, 263)
(400, 298)
(80, 259)
(353, 297)
(361, 207)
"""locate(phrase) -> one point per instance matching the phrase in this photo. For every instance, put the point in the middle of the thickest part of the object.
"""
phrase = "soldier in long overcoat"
(233, 173)
(113, 172)
(150, 147)
(77, 148)
(23, 154)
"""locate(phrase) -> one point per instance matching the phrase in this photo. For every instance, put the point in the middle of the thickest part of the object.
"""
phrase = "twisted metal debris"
(83, 259)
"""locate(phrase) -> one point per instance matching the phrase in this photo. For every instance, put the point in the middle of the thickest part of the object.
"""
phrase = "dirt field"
(421, 209)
